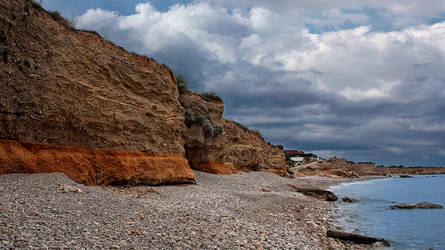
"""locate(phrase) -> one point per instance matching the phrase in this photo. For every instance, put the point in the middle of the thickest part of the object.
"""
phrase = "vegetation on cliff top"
(211, 96)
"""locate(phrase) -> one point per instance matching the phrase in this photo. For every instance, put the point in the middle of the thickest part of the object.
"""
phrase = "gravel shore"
(246, 210)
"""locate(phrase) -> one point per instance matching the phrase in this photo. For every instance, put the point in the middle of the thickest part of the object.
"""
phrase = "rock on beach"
(422, 205)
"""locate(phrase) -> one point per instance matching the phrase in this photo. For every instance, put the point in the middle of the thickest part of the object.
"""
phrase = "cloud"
(364, 93)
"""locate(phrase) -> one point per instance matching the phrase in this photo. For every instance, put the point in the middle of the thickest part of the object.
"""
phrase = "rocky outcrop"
(349, 199)
(423, 205)
(320, 194)
(334, 167)
(211, 140)
(339, 167)
(94, 167)
(66, 87)
(357, 238)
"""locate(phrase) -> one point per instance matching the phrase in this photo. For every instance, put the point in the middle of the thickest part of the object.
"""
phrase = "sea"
(405, 229)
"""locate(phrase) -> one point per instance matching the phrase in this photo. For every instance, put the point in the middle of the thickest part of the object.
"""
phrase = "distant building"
(298, 155)
(297, 159)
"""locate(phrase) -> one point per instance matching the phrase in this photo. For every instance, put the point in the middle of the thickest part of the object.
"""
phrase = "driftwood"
(316, 193)
(356, 238)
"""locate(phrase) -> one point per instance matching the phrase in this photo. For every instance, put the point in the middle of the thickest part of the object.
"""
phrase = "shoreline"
(328, 182)
(245, 210)
(371, 224)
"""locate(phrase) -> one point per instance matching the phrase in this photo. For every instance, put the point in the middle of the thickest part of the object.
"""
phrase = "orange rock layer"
(217, 167)
(94, 167)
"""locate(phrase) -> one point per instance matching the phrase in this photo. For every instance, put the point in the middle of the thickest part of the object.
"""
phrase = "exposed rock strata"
(65, 87)
(94, 167)
(212, 139)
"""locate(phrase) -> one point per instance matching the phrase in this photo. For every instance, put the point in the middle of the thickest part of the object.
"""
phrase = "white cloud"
(396, 150)
(97, 19)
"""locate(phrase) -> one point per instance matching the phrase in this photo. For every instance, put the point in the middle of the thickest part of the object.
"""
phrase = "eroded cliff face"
(73, 88)
(216, 145)
(73, 102)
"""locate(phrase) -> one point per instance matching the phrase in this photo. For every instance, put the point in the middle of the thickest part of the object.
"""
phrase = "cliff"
(67, 87)
(84, 98)
(217, 145)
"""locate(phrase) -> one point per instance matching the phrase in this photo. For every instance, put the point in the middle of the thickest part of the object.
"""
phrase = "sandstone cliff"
(63, 87)
(67, 87)
(102, 115)
(216, 145)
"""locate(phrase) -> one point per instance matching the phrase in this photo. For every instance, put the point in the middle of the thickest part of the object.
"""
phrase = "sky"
(363, 80)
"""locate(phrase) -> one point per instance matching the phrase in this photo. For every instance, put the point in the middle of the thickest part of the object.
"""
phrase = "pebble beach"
(247, 210)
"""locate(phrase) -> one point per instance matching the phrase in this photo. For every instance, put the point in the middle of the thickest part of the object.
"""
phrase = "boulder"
(422, 205)
(316, 193)
(357, 238)
(405, 176)
(349, 199)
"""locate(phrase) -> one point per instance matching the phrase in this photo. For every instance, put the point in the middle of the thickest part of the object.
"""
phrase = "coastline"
(245, 210)
(328, 182)
(372, 214)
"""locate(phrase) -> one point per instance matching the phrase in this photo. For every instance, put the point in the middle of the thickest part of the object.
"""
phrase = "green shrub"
(211, 96)
(256, 131)
(56, 15)
(241, 126)
(210, 129)
(181, 81)
(35, 4)
(191, 119)
(94, 33)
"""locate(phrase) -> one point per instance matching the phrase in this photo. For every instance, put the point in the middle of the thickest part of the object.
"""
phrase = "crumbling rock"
(94, 167)
(217, 143)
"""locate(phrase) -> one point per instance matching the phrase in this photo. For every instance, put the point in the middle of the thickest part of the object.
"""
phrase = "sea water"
(405, 228)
